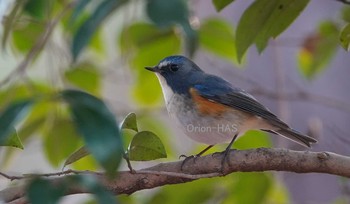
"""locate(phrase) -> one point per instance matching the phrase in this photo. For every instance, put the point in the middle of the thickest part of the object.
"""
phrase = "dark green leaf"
(80, 6)
(13, 141)
(166, 13)
(139, 35)
(36, 8)
(11, 115)
(98, 127)
(217, 36)
(146, 146)
(130, 122)
(75, 156)
(220, 4)
(318, 49)
(171, 12)
(85, 76)
(60, 139)
(345, 37)
(268, 18)
(191, 39)
(102, 195)
(41, 191)
(84, 34)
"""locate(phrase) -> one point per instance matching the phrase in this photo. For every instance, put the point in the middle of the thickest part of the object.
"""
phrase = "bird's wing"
(220, 91)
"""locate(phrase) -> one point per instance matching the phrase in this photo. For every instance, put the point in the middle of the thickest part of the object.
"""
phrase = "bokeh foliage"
(71, 118)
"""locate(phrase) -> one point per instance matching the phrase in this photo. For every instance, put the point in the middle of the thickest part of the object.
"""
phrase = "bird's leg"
(226, 152)
(126, 157)
(193, 156)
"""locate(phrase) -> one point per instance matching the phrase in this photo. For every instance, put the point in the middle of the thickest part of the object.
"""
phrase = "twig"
(26, 176)
(10, 177)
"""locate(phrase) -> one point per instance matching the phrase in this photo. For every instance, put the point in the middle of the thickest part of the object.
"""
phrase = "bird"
(210, 110)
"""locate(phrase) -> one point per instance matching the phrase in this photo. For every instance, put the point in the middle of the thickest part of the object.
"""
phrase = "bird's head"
(178, 72)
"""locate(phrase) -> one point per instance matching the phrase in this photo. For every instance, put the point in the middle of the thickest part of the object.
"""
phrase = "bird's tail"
(296, 136)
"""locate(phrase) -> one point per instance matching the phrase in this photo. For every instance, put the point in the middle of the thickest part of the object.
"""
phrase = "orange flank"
(205, 106)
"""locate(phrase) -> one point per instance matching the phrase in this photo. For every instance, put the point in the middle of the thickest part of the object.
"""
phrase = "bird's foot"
(225, 158)
(187, 158)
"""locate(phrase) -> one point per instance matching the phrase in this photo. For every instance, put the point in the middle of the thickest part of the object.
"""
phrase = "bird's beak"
(153, 69)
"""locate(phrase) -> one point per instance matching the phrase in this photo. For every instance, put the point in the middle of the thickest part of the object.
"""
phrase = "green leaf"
(146, 146)
(85, 76)
(257, 183)
(11, 115)
(87, 162)
(24, 37)
(198, 192)
(60, 139)
(221, 4)
(77, 155)
(268, 18)
(345, 37)
(278, 193)
(130, 122)
(84, 34)
(282, 16)
(13, 141)
(37, 8)
(98, 127)
(24, 133)
(318, 49)
(151, 123)
(10, 20)
(147, 45)
(217, 36)
(41, 191)
(253, 139)
(346, 14)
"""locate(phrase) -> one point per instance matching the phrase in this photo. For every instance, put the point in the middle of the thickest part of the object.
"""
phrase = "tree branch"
(261, 159)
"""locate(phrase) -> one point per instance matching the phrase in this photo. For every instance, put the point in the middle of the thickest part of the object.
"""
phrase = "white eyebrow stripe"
(163, 64)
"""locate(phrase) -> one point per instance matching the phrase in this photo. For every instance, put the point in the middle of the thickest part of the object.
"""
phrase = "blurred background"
(302, 76)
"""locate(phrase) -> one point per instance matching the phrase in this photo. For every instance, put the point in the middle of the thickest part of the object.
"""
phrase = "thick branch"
(262, 159)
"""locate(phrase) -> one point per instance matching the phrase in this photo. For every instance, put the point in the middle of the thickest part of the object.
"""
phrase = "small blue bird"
(212, 111)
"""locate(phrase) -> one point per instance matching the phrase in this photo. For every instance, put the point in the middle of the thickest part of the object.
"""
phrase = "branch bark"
(257, 160)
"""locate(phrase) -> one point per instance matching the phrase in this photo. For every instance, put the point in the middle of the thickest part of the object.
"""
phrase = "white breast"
(167, 92)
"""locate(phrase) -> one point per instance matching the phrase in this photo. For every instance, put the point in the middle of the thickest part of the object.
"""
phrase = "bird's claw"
(225, 158)
(187, 158)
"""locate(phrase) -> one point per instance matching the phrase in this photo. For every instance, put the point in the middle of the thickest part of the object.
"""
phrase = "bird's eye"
(174, 67)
